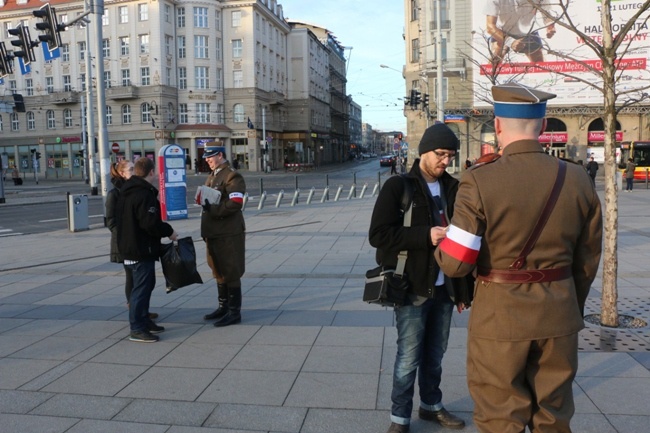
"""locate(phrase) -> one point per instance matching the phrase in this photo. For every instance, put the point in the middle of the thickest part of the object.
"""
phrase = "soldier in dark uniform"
(522, 350)
(223, 230)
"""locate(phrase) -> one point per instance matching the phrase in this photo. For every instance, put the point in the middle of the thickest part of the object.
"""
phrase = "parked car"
(386, 160)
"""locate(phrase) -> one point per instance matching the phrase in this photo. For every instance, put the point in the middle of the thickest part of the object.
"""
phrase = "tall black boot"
(234, 307)
(223, 303)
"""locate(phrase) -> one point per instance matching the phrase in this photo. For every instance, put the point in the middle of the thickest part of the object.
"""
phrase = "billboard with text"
(514, 42)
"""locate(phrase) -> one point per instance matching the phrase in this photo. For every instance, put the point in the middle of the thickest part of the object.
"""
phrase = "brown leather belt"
(525, 275)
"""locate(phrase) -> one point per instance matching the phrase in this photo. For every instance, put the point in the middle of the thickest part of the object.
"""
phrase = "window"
(31, 121)
(414, 10)
(49, 84)
(182, 113)
(219, 78)
(29, 86)
(81, 46)
(51, 120)
(218, 52)
(65, 52)
(1, 127)
(145, 113)
(237, 48)
(67, 83)
(220, 113)
(239, 113)
(144, 44)
(124, 46)
(170, 113)
(145, 77)
(106, 48)
(13, 87)
(15, 123)
(143, 12)
(126, 77)
(201, 79)
(168, 14)
(168, 76)
(123, 12)
(201, 17)
(237, 79)
(107, 79)
(109, 115)
(67, 118)
(444, 89)
(202, 113)
(201, 47)
(126, 114)
(415, 50)
(105, 20)
(82, 77)
(180, 17)
(182, 78)
(217, 20)
(236, 18)
(168, 45)
(180, 41)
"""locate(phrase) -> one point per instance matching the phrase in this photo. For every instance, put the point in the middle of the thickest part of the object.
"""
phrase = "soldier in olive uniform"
(223, 230)
(522, 350)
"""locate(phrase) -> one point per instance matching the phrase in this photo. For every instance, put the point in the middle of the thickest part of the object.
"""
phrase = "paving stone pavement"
(308, 357)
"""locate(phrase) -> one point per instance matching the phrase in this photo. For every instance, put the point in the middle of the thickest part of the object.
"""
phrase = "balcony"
(63, 98)
(446, 25)
(122, 92)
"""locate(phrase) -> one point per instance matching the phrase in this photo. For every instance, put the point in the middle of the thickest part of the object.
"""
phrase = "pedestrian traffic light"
(425, 100)
(24, 43)
(6, 67)
(50, 25)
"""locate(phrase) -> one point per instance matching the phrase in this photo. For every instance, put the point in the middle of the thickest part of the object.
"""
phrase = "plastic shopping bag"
(179, 264)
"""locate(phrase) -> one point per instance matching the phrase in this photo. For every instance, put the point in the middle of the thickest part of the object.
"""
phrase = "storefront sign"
(554, 137)
(596, 136)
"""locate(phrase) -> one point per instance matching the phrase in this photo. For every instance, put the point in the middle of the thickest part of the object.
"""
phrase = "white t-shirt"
(434, 187)
(514, 17)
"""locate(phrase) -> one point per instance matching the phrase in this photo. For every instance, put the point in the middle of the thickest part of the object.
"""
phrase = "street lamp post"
(439, 73)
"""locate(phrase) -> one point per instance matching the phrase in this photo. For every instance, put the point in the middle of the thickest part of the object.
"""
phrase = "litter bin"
(78, 212)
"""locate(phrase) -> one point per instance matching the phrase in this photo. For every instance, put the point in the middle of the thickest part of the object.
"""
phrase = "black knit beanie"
(438, 136)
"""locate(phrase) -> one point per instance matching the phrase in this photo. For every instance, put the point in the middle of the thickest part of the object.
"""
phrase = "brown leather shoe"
(442, 417)
(398, 428)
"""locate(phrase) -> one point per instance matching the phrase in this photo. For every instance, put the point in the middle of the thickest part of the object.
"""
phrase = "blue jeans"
(422, 336)
(630, 184)
(144, 280)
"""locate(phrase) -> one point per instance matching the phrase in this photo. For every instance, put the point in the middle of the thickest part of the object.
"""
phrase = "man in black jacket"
(423, 323)
(139, 231)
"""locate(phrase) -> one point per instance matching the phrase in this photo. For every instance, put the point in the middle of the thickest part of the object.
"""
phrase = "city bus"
(639, 151)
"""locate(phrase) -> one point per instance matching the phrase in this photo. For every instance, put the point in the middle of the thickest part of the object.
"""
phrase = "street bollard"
(280, 195)
(375, 189)
(262, 200)
(294, 201)
(243, 206)
(327, 187)
(296, 180)
(338, 193)
(310, 195)
(646, 178)
(353, 189)
(261, 186)
(363, 190)
(354, 182)
(325, 193)
(379, 178)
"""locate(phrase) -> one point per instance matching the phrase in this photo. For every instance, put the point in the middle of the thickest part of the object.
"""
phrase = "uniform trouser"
(226, 258)
(422, 336)
(515, 384)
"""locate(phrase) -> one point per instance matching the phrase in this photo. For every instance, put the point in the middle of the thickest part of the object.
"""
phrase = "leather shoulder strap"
(543, 218)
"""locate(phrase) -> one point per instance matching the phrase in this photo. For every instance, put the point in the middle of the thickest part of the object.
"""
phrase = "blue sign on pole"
(50, 55)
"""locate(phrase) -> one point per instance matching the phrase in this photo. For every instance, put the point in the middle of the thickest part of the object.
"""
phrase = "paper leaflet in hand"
(204, 192)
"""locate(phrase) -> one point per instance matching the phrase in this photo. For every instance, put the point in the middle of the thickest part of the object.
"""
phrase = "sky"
(373, 30)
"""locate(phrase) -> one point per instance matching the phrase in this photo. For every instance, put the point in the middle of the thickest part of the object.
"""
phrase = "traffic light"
(24, 43)
(408, 99)
(6, 66)
(425, 100)
(417, 99)
(50, 25)
(38, 155)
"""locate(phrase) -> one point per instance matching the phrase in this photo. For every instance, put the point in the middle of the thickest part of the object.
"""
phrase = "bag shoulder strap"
(543, 218)
(407, 207)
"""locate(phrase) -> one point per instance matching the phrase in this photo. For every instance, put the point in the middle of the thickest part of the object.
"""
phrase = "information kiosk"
(172, 182)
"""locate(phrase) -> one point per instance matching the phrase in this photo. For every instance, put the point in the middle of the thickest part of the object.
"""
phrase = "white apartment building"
(185, 72)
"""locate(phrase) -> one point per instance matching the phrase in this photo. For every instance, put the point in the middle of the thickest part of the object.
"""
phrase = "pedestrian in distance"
(533, 277)
(629, 174)
(423, 322)
(15, 176)
(592, 170)
(139, 231)
(224, 232)
(120, 173)
(393, 165)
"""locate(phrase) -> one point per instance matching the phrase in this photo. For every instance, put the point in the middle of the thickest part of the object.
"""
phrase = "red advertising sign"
(594, 136)
(554, 137)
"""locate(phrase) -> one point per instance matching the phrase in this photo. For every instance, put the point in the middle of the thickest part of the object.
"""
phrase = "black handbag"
(388, 287)
(178, 261)
(385, 288)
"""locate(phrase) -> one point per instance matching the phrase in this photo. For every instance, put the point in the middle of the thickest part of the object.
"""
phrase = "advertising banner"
(537, 53)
